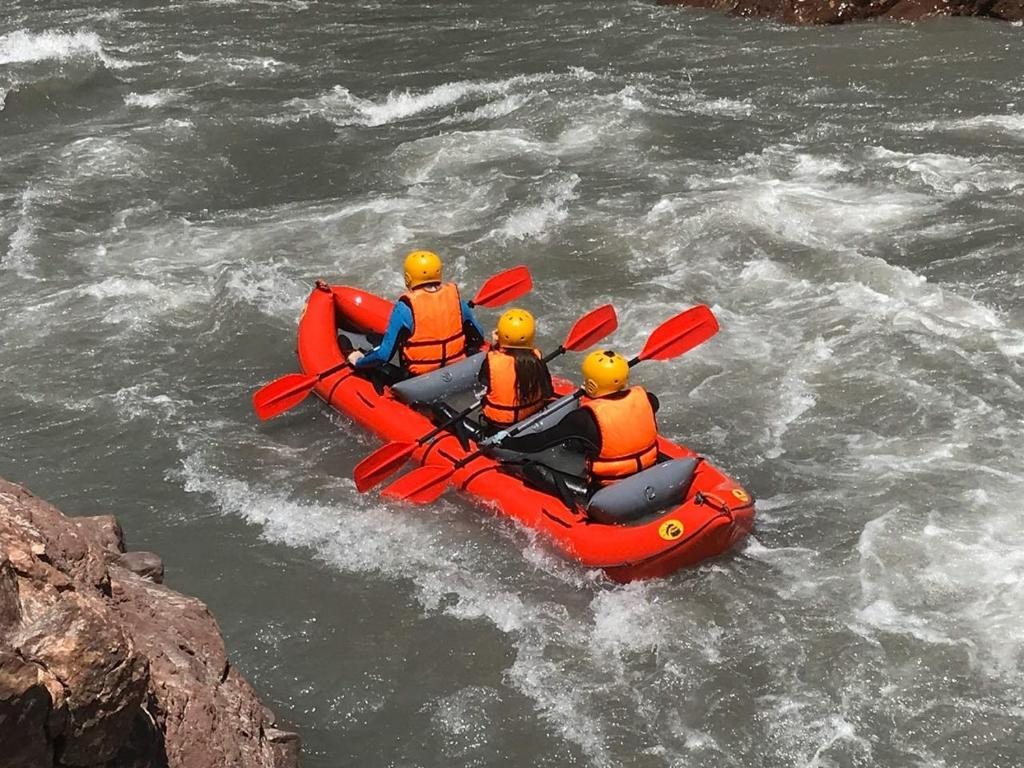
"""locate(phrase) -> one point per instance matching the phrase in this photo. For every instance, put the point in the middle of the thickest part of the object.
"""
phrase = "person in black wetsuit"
(615, 426)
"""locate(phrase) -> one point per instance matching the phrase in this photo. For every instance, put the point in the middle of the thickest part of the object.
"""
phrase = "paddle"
(674, 337)
(288, 391)
(503, 287)
(388, 459)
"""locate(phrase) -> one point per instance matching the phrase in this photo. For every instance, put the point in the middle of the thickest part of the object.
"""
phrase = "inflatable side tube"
(440, 384)
(644, 493)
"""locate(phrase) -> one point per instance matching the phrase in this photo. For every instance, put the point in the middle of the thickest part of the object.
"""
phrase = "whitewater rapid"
(172, 180)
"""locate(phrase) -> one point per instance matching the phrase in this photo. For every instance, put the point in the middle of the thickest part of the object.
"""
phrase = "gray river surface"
(850, 201)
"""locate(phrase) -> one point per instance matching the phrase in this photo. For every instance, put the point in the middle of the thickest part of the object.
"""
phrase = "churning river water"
(850, 201)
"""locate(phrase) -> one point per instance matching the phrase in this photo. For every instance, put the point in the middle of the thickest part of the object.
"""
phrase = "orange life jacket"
(629, 435)
(501, 404)
(437, 337)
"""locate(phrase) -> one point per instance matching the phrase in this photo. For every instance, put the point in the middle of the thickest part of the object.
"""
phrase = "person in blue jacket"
(430, 325)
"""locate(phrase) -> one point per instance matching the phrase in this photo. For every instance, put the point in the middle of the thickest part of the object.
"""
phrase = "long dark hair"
(533, 380)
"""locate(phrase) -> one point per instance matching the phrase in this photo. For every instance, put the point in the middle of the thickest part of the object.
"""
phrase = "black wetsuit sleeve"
(655, 402)
(484, 374)
(578, 425)
(474, 341)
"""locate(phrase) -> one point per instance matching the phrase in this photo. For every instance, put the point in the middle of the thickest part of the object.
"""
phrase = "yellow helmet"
(422, 267)
(516, 328)
(604, 372)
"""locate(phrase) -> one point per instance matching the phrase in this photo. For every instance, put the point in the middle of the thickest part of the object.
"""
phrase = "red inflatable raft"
(714, 515)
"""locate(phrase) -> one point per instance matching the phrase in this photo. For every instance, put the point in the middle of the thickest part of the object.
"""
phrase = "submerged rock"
(101, 665)
(841, 11)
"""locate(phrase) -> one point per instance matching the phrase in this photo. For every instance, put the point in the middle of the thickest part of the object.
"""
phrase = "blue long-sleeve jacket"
(401, 320)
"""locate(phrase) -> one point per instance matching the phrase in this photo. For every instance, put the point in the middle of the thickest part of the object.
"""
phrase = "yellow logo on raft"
(740, 494)
(670, 530)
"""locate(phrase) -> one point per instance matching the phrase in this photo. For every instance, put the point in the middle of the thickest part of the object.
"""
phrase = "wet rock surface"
(841, 11)
(100, 664)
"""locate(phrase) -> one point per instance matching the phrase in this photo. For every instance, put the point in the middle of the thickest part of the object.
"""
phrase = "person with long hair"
(517, 378)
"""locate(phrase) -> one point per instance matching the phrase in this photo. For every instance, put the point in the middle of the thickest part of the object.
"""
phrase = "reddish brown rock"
(144, 564)
(841, 11)
(103, 679)
(26, 740)
(100, 666)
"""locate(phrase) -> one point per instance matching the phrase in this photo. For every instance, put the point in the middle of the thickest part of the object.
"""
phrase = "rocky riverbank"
(841, 11)
(103, 665)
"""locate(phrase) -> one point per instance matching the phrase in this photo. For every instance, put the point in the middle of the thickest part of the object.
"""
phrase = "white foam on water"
(838, 730)
(910, 303)
(174, 125)
(267, 287)
(640, 98)
(154, 99)
(342, 107)
(137, 303)
(567, 664)
(544, 558)
(19, 256)
(140, 401)
(875, 291)
(249, 63)
(495, 109)
(24, 46)
(822, 167)
(955, 579)
(465, 721)
(455, 153)
(823, 215)
(945, 592)
(807, 199)
(805, 728)
(366, 538)
(566, 702)
(951, 174)
(700, 104)
(795, 398)
(61, 400)
(1005, 126)
(536, 221)
(1010, 343)
(294, 5)
(624, 621)
(120, 287)
(103, 158)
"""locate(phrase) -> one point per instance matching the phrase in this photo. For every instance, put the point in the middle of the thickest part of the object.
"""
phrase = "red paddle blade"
(421, 486)
(680, 334)
(281, 394)
(591, 328)
(381, 464)
(504, 287)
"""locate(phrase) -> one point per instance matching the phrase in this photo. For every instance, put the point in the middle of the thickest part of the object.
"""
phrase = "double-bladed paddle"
(674, 337)
(288, 391)
(388, 459)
